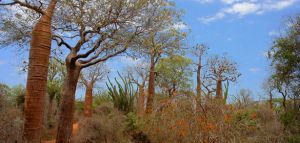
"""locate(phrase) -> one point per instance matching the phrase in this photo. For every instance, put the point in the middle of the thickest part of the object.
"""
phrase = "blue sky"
(244, 29)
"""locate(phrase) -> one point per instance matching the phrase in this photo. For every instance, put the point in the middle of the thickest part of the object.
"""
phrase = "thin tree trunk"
(141, 100)
(88, 100)
(151, 87)
(219, 89)
(284, 103)
(198, 88)
(271, 100)
(67, 104)
(39, 54)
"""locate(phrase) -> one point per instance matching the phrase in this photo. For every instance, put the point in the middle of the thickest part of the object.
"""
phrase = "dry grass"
(213, 122)
(11, 123)
(107, 125)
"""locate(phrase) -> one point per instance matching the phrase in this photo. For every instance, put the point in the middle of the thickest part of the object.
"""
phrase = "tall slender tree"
(162, 38)
(199, 50)
(39, 55)
(89, 77)
(138, 74)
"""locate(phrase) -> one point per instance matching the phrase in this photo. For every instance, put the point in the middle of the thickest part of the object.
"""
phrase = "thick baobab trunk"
(141, 100)
(88, 100)
(67, 104)
(151, 87)
(39, 54)
(219, 89)
(198, 88)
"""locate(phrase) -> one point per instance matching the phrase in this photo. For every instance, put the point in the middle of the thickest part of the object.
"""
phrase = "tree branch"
(60, 42)
(104, 58)
(27, 5)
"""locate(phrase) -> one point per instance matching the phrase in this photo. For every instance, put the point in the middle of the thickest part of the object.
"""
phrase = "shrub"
(107, 125)
(211, 121)
(11, 123)
(122, 95)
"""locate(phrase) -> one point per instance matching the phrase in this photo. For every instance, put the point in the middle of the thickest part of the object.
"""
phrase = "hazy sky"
(243, 29)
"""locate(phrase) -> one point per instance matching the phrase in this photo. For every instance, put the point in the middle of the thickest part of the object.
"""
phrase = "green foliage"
(131, 121)
(174, 73)
(122, 94)
(245, 117)
(226, 91)
(101, 98)
(288, 117)
(79, 105)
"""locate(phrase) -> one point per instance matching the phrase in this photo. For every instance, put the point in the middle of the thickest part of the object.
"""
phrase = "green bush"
(122, 95)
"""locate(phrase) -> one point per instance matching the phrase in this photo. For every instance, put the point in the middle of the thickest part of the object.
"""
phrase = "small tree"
(199, 51)
(89, 77)
(221, 69)
(174, 74)
(138, 74)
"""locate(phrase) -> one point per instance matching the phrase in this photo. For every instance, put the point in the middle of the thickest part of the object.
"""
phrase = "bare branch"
(60, 42)
(27, 5)
(104, 58)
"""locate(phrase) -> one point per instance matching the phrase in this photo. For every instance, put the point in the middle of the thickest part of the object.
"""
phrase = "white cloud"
(273, 33)
(129, 60)
(242, 8)
(207, 20)
(254, 70)
(229, 1)
(278, 5)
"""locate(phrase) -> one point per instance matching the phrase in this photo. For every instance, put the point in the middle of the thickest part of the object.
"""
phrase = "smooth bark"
(219, 89)
(67, 103)
(88, 100)
(39, 54)
(151, 87)
(198, 87)
(141, 100)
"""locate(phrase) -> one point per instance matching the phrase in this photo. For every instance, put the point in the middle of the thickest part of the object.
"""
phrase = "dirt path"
(74, 132)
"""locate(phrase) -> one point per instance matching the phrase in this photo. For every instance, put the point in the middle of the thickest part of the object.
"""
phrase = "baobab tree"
(221, 69)
(94, 31)
(89, 77)
(138, 74)
(162, 38)
(199, 51)
(39, 55)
